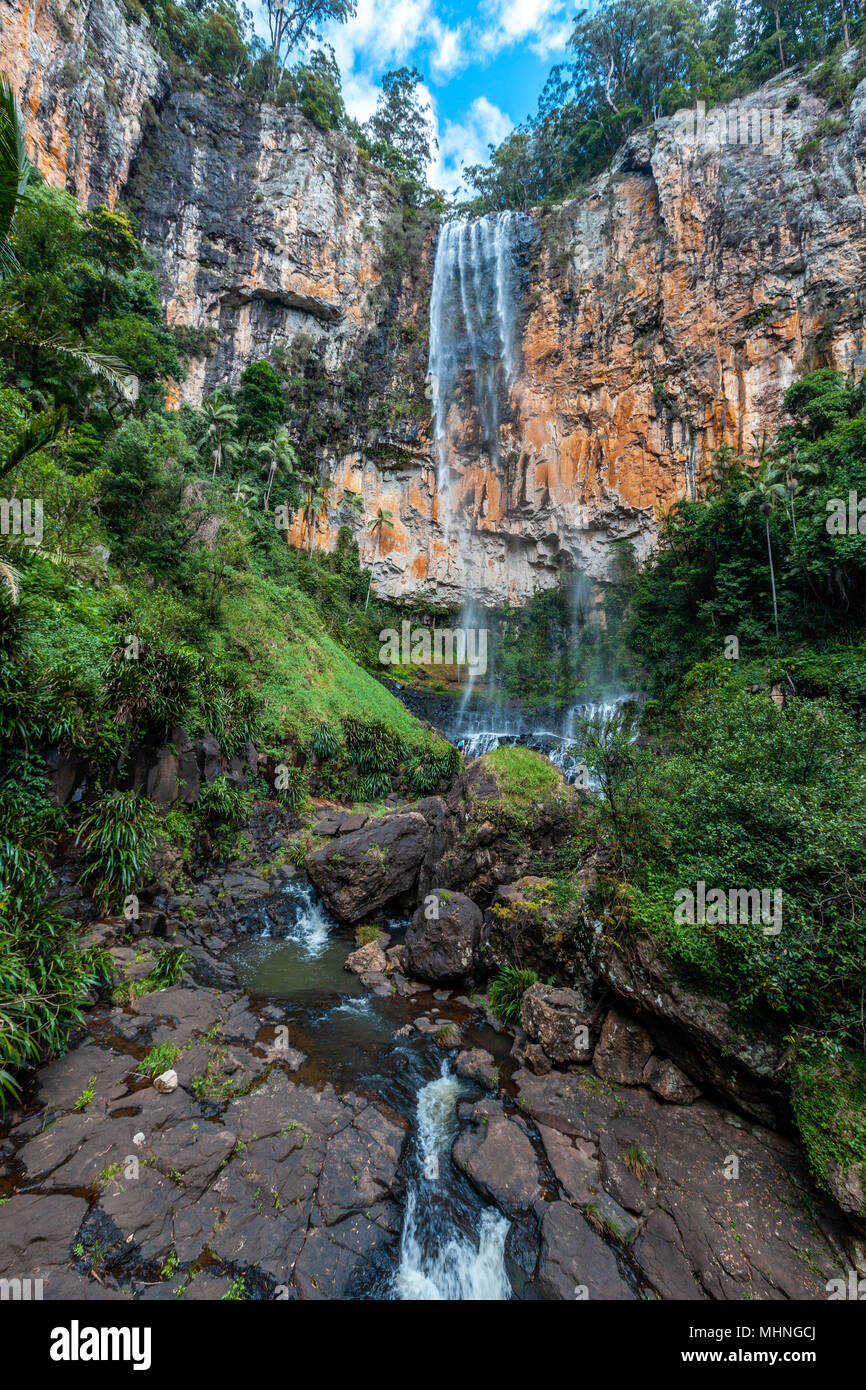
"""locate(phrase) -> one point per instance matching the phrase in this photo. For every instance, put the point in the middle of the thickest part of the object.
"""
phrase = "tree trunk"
(779, 33)
(772, 574)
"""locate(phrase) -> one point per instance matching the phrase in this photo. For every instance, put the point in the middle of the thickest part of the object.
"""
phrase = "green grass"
(303, 678)
(525, 778)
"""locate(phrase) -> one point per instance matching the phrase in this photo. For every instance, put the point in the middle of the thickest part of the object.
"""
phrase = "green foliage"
(507, 990)
(116, 839)
(224, 803)
(170, 965)
(44, 977)
(296, 789)
(160, 1058)
(828, 1094)
(631, 61)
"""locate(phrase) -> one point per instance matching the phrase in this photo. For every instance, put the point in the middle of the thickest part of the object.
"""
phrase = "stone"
(575, 1263)
(359, 873)
(559, 1021)
(478, 1065)
(370, 956)
(166, 1081)
(442, 948)
(37, 1233)
(498, 1159)
(668, 1082)
(623, 1049)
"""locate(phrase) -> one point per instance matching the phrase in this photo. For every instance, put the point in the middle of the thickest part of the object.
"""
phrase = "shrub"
(223, 803)
(295, 792)
(117, 838)
(507, 991)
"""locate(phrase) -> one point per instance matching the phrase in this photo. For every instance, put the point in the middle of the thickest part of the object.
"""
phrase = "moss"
(828, 1095)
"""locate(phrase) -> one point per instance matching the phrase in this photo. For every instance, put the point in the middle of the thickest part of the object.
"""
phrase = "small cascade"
(440, 1259)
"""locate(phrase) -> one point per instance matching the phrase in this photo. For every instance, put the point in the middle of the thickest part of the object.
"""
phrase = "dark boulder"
(442, 940)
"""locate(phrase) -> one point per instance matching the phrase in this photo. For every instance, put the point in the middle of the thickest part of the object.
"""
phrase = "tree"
(221, 419)
(15, 173)
(275, 455)
(382, 518)
(291, 21)
(260, 402)
(400, 130)
(766, 494)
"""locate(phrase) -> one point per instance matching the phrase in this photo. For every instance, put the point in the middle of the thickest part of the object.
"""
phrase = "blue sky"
(484, 63)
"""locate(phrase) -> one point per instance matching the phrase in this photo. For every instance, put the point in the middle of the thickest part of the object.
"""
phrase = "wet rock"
(367, 957)
(69, 1079)
(575, 1263)
(442, 948)
(358, 873)
(559, 1021)
(574, 1163)
(478, 1065)
(623, 1049)
(668, 1082)
(37, 1233)
(498, 1159)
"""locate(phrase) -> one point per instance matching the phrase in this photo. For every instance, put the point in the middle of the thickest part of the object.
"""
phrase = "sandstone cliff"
(663, 312)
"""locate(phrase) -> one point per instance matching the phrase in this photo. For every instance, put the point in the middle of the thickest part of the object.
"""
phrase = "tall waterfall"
(473, 324)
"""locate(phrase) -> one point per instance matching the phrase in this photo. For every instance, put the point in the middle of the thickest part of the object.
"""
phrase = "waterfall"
(437, 1261)
(473, 323)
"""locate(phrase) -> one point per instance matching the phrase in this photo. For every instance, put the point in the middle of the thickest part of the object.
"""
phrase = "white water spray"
(436, 1263)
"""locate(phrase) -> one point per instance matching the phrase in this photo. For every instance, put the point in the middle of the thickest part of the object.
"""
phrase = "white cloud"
(466, 142)
(543, 25)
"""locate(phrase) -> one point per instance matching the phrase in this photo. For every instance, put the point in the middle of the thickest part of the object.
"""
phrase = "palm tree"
(353, 501)
(766, 494)
(274, 455)
(221, 419)
(382, 518)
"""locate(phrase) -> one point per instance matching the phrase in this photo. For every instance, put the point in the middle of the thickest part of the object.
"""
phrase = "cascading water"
(437, 1260)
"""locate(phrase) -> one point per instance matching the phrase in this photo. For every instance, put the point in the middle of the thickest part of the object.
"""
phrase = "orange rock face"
(83, 76)
(665, 314)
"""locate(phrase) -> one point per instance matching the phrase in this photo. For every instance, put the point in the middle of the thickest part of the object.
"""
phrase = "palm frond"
(102, 364)
(14, 171)
(11, 577)
(29, 438)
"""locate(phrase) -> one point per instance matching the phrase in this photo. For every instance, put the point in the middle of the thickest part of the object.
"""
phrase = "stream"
(452, 1245)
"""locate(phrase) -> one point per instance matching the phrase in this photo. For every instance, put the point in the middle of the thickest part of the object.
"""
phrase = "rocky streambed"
(363, 1133)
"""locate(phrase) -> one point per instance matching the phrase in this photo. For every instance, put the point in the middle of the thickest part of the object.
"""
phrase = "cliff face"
(661, 314)
(265, 229)
(85, 76)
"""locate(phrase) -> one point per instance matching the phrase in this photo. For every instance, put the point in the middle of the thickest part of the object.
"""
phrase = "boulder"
(623, 1049)
(443, 947)
(525, 924)
(478, 1066)
(559, 1021)
(668, 1082)
(498, 1159)
(744, 1062)
(357, 874)
(370, 956)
